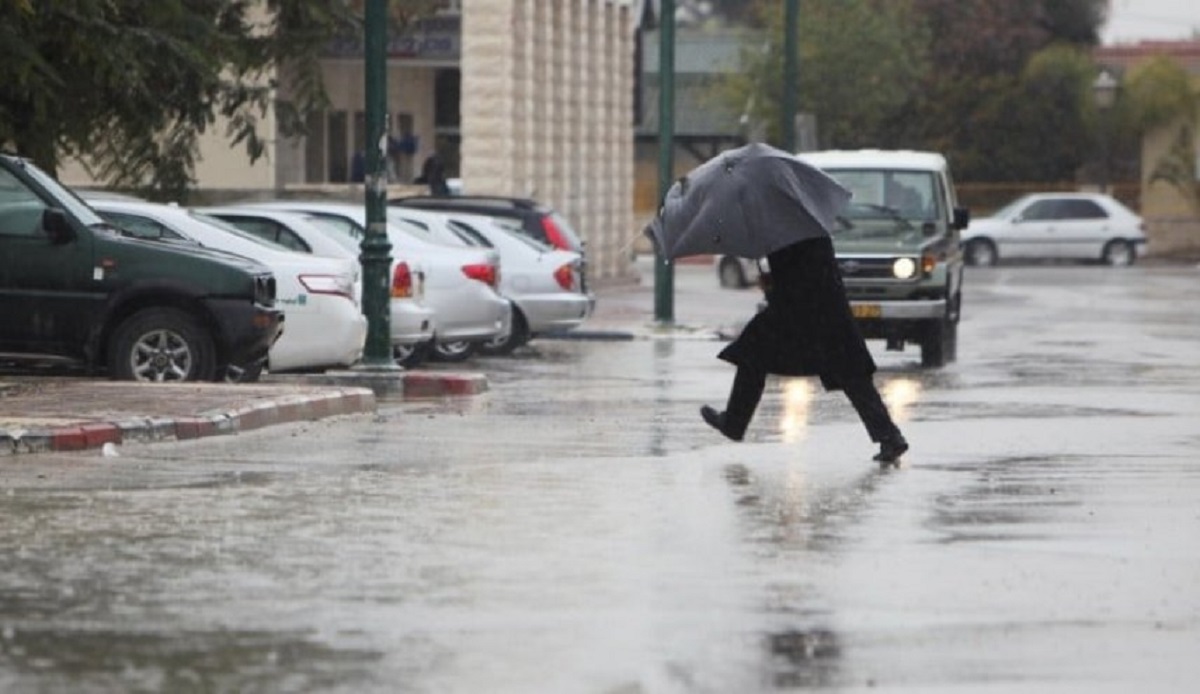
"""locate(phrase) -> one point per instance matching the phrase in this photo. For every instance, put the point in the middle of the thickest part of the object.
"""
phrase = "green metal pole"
(376, 250)
(664, 271)
(791, 25)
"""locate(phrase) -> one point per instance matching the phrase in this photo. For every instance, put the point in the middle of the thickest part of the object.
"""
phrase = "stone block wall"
(547, 88)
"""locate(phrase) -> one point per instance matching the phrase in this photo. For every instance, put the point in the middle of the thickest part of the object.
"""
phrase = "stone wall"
(547, 113)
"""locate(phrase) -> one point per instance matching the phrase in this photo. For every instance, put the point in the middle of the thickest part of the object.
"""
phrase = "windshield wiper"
(890, 213)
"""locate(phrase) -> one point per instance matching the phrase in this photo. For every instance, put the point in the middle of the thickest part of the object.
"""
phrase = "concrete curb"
(406, 385)
(89, 435)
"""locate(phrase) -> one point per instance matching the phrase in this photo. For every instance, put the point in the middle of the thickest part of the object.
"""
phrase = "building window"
(339, 155)
(314, 148)
(447, 95)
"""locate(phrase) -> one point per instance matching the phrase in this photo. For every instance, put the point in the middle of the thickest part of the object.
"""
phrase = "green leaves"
(130, 85)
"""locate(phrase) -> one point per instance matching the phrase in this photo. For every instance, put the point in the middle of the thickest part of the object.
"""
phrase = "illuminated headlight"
(904, 268)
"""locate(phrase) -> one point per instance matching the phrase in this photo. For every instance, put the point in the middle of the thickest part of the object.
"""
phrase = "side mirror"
(962, 218)
(57, 227)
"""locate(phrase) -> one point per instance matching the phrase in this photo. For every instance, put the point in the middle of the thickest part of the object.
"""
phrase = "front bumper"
(247, 331)
(925, 309)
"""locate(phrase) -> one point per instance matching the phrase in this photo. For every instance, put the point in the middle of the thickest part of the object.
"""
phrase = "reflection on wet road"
(578, 528)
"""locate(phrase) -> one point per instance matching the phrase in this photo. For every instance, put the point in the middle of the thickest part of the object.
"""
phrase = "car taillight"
(554, 235)
(488, 274)
(402, 281)
(339, 285)
(565, 276)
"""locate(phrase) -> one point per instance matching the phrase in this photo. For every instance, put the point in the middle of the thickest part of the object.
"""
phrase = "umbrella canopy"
(746, 202)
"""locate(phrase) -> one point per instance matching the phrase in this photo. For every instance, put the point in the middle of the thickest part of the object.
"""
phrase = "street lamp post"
(376, 250)
(664, 271)
(1104, 90)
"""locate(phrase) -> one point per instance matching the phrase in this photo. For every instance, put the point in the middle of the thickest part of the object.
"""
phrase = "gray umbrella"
(746, 202)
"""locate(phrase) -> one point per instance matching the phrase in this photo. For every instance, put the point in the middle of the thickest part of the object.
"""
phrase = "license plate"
(866, 310)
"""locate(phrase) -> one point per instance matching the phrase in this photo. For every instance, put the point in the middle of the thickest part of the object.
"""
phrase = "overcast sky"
(1132, 20)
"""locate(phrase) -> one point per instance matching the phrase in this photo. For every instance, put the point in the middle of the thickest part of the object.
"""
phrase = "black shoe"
(891, 450)
(716, 420)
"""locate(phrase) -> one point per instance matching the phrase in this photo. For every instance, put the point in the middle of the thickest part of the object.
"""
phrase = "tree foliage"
(859, 63)
(130, 86)
(1161, 95)
(1000, 86)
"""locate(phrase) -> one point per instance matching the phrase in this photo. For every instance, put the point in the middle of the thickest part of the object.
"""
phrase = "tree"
(1160, 94)
(859, 63)
(129, 86)
(972, 103)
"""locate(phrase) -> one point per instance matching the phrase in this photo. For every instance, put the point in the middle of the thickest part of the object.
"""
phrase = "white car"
(544, 283)
(1061, 226)
(460, 283)
(323, 324)
(411, 320)
(736, 273)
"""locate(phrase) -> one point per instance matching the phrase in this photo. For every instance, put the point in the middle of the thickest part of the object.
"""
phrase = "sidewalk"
(70, 414)
(64, 413)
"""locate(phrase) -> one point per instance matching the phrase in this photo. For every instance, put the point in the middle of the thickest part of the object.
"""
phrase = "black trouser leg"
(870, 408)
(747, 390)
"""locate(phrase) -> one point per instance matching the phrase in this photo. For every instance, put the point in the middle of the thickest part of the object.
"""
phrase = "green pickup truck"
(898, 247)
(75, 289)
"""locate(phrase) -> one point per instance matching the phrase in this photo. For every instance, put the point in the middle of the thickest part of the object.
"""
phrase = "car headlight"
(904, 268)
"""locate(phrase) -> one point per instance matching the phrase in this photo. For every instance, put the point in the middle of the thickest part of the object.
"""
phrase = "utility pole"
(664, 271)
(791, 26)
(376, 249)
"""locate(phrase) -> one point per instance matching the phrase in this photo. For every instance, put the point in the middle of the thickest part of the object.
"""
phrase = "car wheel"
(1119, 253)
(503, 345)
(412, 355)
(940, 344)
(455, 351)
(982, 253)
(161, 344)
(730, 274)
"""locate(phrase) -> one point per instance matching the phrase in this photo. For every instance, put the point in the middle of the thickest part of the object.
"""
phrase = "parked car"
(324, 325)
(411, 321)
(542, 282)
(460, 283)
(1059, 226)
(75, 288)
(734, 272)
(537, 220)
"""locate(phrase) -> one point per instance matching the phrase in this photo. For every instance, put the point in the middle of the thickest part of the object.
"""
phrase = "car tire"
(1118, 253)
(454, 350)
(981, 253)
(161, 344)
(503, 345)
(939, 340)
(412, 355)
(729, 271)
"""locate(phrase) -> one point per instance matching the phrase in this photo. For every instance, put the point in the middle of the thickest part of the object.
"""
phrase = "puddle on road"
(804, 658)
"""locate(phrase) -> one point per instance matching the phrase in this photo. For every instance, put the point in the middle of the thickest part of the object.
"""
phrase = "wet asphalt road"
(577, 529)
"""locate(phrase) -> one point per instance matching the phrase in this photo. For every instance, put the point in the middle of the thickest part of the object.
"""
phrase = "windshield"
(859, 221)
(64, 196)
(911, 195)
(1010, 210)
(345, 233)
(239, 232)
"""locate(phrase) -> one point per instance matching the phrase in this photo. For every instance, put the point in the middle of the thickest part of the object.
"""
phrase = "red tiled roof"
(1123, 55)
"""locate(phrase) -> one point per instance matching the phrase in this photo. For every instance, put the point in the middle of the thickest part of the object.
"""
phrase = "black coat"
(806, 328)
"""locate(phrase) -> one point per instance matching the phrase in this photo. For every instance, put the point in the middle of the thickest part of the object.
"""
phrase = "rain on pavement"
(579, 529)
